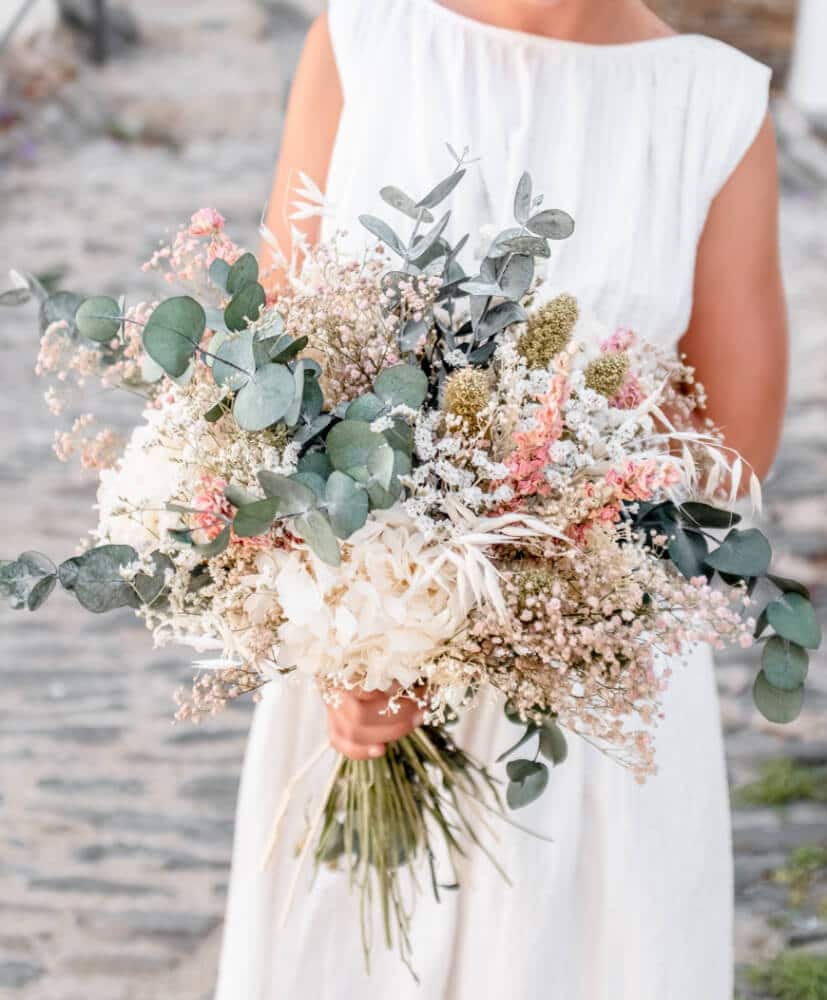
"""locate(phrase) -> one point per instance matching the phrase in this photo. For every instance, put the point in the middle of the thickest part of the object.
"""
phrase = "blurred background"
(117, 120)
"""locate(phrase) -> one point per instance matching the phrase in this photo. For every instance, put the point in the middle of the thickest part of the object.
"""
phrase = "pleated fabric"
(632, 899)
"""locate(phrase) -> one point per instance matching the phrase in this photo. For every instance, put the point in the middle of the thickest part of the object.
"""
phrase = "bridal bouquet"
(399, 476)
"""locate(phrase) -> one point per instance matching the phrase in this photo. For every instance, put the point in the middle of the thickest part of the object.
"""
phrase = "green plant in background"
(792, 976)
(783, 781)
(807, 864)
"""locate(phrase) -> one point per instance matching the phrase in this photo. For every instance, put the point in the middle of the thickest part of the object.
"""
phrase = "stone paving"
(115, 826)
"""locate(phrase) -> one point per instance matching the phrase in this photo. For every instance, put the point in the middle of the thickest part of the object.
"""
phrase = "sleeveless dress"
(633, 898)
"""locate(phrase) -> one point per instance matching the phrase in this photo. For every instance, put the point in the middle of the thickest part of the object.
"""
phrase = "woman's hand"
(359, 730)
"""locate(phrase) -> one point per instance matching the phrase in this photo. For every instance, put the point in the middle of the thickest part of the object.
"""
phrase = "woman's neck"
(596, 22)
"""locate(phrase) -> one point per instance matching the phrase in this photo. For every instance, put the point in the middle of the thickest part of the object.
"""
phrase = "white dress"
(632, 900)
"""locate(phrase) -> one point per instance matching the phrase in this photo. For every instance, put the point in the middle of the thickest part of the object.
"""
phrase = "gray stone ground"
(116, 826)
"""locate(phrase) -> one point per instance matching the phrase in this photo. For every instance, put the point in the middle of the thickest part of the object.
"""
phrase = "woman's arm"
(737, 337)
(313, 113)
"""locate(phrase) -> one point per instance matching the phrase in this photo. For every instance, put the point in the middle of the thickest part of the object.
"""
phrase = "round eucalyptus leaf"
(234, 363)
(294, 497)
(219, 272)
(315, 529)
(151, 371)
(517, 276)
(218, 545)
(256, 518)
(404, 203)
(238, 496)
(535, 246)
(60, 307)
(743, 554)
(776, 705)
(381, 465)
(244, 272)
(402, 385)
(350, 443)
(527, 780)
(785, 664)
(311, 479)
(265, 398)
(792, 616)
(316, 462)
(99, 319)
(688, 551)
(244, 308)
(553, 744)
(382, 498)
(150, 586)
(400, 437)
(367, 407)
(173, 332)
(346, 504)
(41, 592)
(95, 579)
(789, 586)
(551, 223)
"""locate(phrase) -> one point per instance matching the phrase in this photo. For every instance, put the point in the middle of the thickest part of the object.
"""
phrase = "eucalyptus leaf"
(402, 385)
(742, 553)
(527, 782)
(315, 529)
(482, 288)
(523, 198)
(304, 435)
(219, 273)
(535, 246)
(290, 351)
(531, 731)
(424, 243)
(294, 497)
(173, 332)
(219, 544)
(552, 224)
(383, 232)
(517, 276)
(500, 317)
(789, 586)
(313, 398)
(785, 664)
(15, 297)
(792, 616)
(705, 516)
(291, 417)
(498, 246)
(312, 480)
(346, 503)
(688, 551)
(256, 518)
(24, 581)
(553, 745)
(99, 319)
(60, 307)
(411, 334)
(265, 399)
(244, 272)
(151, 586)
(441, 191)
(95, 578)
(381, 466)
(245, 306)
(239, 497)
(316, 462)
(234, 362)
(404, 203)
(775, 705)
(349, 445)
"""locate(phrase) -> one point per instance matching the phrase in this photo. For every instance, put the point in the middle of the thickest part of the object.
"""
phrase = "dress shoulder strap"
(736, 98)
(351, 24)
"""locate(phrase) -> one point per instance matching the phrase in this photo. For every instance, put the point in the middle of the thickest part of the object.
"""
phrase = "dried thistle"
(549, 331)
(607, 374)
(467, 393)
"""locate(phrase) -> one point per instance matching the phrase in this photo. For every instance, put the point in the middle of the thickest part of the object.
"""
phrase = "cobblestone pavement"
(115, 827)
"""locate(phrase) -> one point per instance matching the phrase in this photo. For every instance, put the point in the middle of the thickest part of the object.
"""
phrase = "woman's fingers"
(356, 751)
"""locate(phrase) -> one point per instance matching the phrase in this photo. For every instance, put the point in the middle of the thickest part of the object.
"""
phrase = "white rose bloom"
(131, 497)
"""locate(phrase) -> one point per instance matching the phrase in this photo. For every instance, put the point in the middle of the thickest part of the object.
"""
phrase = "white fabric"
(632, 901)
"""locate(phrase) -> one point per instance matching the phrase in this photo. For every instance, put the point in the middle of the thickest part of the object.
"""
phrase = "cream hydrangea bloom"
(379, 618)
